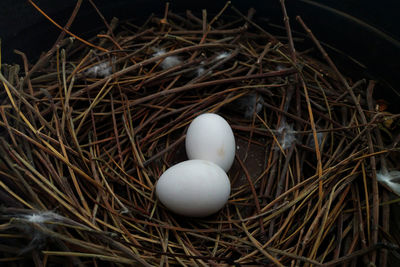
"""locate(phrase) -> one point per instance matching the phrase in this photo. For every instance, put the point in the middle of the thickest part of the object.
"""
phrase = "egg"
(209, 137)
(194, 188)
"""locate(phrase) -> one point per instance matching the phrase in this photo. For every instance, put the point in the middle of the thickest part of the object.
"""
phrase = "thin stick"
(375, 192)
(64, 29)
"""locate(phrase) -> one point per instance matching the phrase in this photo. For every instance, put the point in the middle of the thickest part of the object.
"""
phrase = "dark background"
(375, 44)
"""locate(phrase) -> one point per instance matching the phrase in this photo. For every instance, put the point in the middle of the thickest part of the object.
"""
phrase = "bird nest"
(88, 130)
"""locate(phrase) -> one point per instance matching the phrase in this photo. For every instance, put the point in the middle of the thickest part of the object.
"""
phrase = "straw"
(89, 149)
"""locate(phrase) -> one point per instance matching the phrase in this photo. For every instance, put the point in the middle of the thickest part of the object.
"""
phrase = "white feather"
(250, 104)
(388, 177)
(286, 135)
(38, 237)
(168, 62)
(311, 143)
(200, 71)
(222, 55)
(280, 67)
(100, 70)
(42, 217)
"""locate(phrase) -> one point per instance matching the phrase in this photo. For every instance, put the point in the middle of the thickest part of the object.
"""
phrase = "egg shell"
(194, 188)
(209, 137)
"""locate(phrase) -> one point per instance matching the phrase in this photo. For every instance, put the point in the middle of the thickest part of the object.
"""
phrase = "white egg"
(194, 188)
(210, 137)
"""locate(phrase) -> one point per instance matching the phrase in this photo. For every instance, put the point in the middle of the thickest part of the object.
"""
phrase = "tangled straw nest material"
(86, 136)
